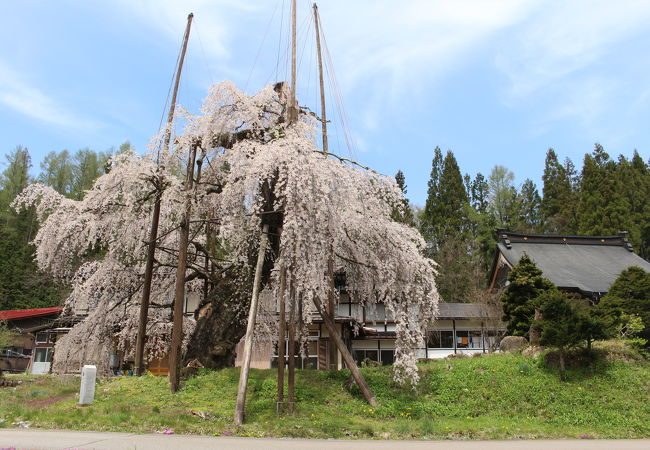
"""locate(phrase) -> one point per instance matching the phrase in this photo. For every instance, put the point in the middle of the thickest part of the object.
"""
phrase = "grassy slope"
(495, 396)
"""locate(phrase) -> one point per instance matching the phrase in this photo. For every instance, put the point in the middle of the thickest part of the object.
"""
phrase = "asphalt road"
(51, 439)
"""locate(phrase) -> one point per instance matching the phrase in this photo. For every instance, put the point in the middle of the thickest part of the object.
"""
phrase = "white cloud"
(395, 56)
(557, 42)
(18, 95)
(212, 19)
(558, 59)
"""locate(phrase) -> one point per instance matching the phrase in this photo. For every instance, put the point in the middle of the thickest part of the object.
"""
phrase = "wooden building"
(586, 265)
(33, 340)
(370, 335)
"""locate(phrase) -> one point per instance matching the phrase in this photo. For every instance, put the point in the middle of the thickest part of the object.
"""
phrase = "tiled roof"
(17, 314)
(462, 311)
(587, 263)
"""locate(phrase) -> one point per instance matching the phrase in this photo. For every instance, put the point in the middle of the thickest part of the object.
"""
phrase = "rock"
(533, 351)
(513, 343)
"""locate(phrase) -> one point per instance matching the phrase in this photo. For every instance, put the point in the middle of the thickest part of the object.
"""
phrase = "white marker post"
(87, 391)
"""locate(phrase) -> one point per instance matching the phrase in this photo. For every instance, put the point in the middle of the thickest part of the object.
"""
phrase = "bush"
(629, 297)
(558, 324)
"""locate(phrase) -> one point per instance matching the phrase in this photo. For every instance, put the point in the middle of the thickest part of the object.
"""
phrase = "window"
(440, 339)
(462, 339)
(191, 304)
(376, 313)
(340, 281)
(492, 340)
(475, 339)
(309, 361)
(387, 357)
(43, 354)
(361, 356)
(41, 338)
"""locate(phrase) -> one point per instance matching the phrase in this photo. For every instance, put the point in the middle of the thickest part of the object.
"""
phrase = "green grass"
(494, 396)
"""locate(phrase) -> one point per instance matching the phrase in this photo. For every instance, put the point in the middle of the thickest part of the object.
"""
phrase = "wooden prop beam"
(345, 353)
(282, 342)
(291, 378)
(248, 340)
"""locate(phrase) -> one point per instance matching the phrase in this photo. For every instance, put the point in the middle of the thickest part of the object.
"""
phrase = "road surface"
(51, 439)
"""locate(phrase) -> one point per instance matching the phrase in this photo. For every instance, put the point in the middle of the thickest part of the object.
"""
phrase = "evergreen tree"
(453, 204)
(403, 213)
(635, 179)
(480, 194)
(448, 228)
(430, 217)
(21, 283)
(558, 324)
(16, 176)
(603, 207)
(560, 195)
(482, 224)
(526, 283)
(628, 296)
(531, 216)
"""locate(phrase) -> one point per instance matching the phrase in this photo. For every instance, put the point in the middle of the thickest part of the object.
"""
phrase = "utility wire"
(259, 50)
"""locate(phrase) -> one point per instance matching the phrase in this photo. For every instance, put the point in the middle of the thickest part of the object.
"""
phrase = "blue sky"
(497, 82)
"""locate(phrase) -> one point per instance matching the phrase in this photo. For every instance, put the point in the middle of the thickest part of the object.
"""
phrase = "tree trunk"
(562, 362)
(221, 322)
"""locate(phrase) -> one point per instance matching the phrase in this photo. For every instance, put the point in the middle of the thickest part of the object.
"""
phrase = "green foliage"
(471, 398)
(446, 211)
(629, 296)
(526, 283)
(560, 318)
(403, 213)
(558, 205)
(567, 323)
(503, 198)
(6, 335)
(603, 207)
(452, 227)
(22, 285)
(530, 208)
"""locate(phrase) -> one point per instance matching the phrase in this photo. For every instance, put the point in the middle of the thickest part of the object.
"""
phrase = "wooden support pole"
(155, 219)
(331, 306)
(282, 342)
(248, 340)
(181, 269)
(345, 353)
(293, 110)
(322, 84)
(146, 290)
(291, 378)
